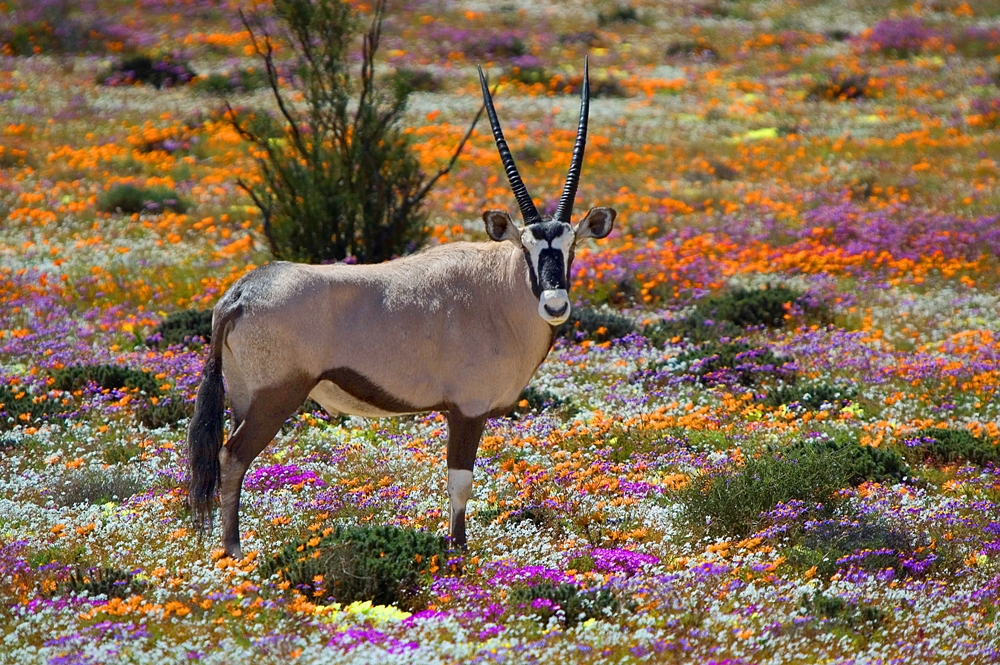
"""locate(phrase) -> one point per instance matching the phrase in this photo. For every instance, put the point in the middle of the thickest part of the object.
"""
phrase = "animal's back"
(450, 326)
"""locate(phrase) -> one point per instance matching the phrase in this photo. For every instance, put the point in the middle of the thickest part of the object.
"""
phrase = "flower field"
(770, 436)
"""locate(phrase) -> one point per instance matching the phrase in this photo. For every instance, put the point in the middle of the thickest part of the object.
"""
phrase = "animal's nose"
(556, 313)
(553, 306)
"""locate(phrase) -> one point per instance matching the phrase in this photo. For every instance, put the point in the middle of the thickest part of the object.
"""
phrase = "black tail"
(205, 433)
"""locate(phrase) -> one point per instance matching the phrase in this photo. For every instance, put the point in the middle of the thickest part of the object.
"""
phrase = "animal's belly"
(335, 400)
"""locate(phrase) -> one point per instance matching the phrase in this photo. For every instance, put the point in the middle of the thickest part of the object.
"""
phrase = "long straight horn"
(528, 211)
(565, 209)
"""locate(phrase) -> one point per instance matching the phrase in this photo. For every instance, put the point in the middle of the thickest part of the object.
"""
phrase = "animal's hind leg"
(464, 434)
(268, 409)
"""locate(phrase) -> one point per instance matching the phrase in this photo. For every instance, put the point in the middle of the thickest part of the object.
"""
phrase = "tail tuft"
(204, 438)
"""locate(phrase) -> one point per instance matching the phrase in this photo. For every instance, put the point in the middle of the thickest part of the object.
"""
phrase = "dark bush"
(164, 71)
(599, 325)
(189, 326)
(343, 180)
(853, 615)
(840, 87)
(536, 400)
(97, 487)
(699, 48)
(729, 314)
(111, 582)
(240, 80)
(383, 564)
(131, 199)
(620, 14)
(867, 543)
(167, 411)
(811, 394)
(567, 602)
(416, 80)
(730, 503)
(108, 377)
(18, 406)
(950, 446)
(715, 362)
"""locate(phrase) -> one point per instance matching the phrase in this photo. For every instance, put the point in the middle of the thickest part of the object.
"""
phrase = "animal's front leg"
(464, 434)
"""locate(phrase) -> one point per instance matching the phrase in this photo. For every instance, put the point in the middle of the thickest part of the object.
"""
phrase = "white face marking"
(553, 304)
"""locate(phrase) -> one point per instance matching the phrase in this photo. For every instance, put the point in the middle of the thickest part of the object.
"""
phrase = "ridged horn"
(528, 211)
(565, 209)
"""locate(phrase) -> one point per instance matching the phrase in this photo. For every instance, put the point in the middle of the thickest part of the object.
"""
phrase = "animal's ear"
(499, 226)
(597, 224)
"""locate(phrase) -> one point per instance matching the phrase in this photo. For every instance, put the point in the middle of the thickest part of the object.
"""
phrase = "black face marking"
(548, 231)
(551, 269)
(363, 389)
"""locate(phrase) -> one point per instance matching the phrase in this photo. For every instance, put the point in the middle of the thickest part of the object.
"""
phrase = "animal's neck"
(532, 331)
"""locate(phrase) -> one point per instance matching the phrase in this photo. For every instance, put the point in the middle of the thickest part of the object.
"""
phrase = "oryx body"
(459, 328)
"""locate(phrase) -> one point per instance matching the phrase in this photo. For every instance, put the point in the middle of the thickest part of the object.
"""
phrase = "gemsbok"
(458, 328)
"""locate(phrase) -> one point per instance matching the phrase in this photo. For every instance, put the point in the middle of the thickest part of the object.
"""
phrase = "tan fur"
(454, 325)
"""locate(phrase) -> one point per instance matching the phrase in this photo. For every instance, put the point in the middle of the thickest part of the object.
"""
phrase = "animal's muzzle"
(553, 306)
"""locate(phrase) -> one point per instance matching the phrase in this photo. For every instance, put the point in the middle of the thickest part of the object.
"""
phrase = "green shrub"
(168, 410)
(700, 48)
(184, 327)
(383, 564)
(537, 399)
(131, 199)
(567, 602)
(620, 14)
(595, 324)
(812, 471)
(950, 446)
(729, 314)
(811, 394)
(110, 582)
(163, 71)
(749, 365)
(240, 80)
(108, 377)
(840, 87)
(97, 487)
(853, 615)
(342, 181)
(18, 406)
(416, 80)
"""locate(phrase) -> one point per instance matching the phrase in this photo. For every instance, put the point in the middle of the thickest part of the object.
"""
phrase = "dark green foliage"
(131, 199)
(121, 452)
(712, 360)
(749, 307)
(19, 407)
(696, 47)
(841, 87)
(383, 564)
(812, 470)
(729, 314)
(571, 605)
(163, 71)
(342, 181)
(620, 14)
(110, 582)
(853, 615)
(829, 540)
(950, 446)
(416, 80)
(237, 81)
(183, 327)
(810, 394)
(108, 377)
(538, 400)
(168, 410)
(598, 325)
(97, 487)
